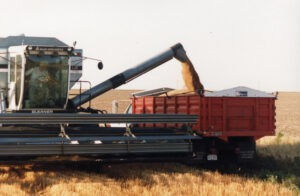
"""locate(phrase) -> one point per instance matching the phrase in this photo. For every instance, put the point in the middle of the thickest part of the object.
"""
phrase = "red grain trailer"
(230, 121)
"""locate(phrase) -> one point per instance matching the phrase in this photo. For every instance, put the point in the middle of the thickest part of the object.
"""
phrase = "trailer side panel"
(221, 117)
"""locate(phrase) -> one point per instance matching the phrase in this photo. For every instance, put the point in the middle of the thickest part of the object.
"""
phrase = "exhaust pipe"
(126, 76)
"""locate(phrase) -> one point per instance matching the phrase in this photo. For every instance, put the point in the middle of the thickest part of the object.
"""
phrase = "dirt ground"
(104, 102)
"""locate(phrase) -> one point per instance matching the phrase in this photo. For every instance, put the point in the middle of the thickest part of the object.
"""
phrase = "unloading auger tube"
(126, 76)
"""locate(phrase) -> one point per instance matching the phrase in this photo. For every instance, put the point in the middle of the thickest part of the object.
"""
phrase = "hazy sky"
(254, 43)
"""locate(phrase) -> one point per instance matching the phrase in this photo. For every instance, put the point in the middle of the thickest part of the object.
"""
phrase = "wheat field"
(275, 172)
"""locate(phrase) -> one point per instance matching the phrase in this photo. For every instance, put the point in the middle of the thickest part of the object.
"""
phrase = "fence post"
(115, 106)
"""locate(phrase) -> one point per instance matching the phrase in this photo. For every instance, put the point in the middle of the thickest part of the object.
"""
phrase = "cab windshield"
(46, 81)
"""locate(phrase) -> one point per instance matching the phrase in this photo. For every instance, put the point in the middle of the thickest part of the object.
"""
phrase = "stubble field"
(275, 172)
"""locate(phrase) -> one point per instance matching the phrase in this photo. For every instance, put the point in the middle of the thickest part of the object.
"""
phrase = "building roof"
(239, 91)
(24, 40)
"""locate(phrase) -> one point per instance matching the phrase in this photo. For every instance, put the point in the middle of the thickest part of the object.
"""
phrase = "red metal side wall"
(218, 116)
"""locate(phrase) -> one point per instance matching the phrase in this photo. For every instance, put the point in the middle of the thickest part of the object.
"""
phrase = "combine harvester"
(38, 118)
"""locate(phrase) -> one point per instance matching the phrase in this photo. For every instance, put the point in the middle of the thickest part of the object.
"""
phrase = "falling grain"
(190, 77)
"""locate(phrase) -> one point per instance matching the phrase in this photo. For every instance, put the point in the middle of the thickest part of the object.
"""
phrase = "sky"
(253, 43)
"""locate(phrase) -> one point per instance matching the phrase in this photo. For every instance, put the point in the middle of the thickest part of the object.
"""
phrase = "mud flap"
(246, 151)
(199, 152)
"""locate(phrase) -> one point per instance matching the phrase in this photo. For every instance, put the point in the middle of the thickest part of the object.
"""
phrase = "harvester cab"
(38, 77)
(36, 73)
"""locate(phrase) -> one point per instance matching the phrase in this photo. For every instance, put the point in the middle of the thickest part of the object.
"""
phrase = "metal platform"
(93, 140)
(57, 118)
(117, 147)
